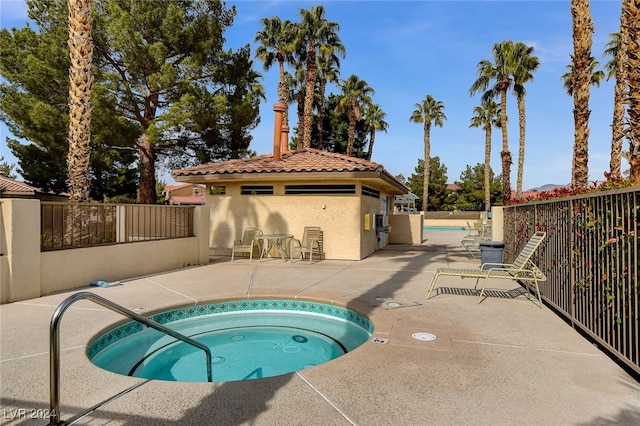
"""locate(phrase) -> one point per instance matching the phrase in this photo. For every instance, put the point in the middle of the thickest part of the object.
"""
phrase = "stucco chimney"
(277, 130)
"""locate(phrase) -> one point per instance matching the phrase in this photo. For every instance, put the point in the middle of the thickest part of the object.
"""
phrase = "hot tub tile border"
(130, 328)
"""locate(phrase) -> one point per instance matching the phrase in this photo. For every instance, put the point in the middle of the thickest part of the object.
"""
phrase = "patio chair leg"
(482, 290)
(535, 283)
(433, 282)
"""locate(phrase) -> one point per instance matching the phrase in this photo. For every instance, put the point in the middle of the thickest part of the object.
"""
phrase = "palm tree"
(501, 71)
(275, 40)
(328, 71)
(581, 79)
(596, 76)
(355, 92)
(629, 36)
(486, 116)
(618, 56)
(315, 33)
(374, 121)
(426, 112)
(526, 65)
(296, 89)
(81, 80)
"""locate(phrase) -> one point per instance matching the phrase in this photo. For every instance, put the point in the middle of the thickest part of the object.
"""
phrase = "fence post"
(121, 229)
(21, 222)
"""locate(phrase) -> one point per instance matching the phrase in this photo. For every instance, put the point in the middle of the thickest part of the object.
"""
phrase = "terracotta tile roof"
(12, 185)
(303, 160)
(184, 200)
(169, 187)
(453, 187)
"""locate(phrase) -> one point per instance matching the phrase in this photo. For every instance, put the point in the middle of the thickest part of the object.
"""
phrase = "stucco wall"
(340, 217)
(370, 238)
(27, 273)
(21, 233)
(111, 263)
(406, 228)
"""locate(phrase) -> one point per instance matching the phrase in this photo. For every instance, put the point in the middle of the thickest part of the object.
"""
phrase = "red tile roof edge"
(12, 185)
(291, 161)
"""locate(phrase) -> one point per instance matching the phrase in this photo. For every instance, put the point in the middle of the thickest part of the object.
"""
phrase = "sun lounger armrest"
(496, 265)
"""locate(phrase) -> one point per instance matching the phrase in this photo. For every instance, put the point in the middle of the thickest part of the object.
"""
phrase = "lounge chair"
(478, 233)
(248, 243)
(311, 243)
(522, 269)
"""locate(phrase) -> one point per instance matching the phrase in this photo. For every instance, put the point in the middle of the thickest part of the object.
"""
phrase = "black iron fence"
(66, 226)
(592, 260)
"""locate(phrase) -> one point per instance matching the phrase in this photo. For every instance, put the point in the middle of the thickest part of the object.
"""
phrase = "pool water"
(244, 344)
(445, 228)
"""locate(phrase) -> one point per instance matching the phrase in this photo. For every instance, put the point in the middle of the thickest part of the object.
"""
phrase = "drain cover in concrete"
(424, 336)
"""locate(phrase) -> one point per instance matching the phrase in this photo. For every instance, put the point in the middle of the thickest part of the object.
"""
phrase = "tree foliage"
(438, 192)
(6, 169)
(428, 111)
(471, 193)
(335, 130)
(34, 106)
(165, 92)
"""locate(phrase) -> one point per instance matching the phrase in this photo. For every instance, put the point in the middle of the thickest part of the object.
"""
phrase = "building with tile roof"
(185, 194)
(11, 188)
(349, 198)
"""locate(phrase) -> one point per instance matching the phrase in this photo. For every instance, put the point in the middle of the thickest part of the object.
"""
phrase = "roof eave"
(392, 184)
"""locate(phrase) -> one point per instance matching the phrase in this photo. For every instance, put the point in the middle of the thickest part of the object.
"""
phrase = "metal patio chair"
(310, 244)
(248, 243)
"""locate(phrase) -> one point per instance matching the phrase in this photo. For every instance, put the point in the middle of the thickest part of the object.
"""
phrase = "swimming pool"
(248, 339)
(445, 228)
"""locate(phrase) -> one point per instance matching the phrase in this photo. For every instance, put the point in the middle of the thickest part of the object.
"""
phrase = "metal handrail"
(54, 339)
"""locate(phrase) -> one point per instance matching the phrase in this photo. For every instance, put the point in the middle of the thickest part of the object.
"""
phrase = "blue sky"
(408, 49)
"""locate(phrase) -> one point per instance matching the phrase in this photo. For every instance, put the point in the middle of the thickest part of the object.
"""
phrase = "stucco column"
(277, 130)
(20, 273)
(201, 228)
(284, 141)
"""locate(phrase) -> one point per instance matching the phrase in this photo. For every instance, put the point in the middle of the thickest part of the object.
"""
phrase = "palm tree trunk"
(300, 114)
(427, 161)
(372, 137)
(310, 80)
(81, 81)
(352, 126)
(522, 124)
(487, 167)
(283, 94)
(320, 123)
(617, 126)
(581, 77)
(631, 10)
(505, 155)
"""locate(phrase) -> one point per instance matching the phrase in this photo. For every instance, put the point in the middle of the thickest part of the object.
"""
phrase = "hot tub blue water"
(249, 339)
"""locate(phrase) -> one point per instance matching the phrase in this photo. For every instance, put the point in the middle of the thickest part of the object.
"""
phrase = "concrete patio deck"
(502, 362)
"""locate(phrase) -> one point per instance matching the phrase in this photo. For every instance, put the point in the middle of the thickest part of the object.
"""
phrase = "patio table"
(271, 241)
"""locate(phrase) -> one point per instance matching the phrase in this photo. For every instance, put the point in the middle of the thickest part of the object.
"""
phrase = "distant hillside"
(547, 187)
